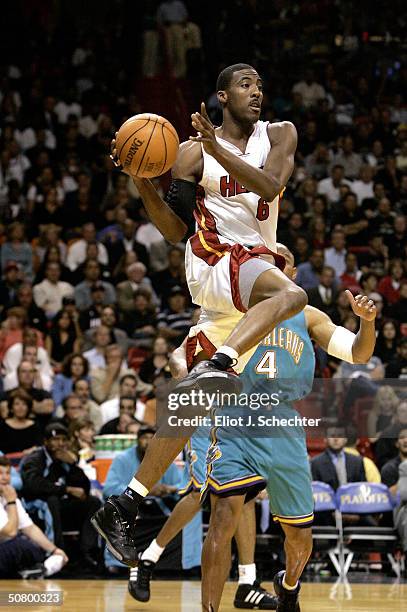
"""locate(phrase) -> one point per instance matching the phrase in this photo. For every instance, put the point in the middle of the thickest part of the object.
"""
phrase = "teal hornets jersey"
(284, 362)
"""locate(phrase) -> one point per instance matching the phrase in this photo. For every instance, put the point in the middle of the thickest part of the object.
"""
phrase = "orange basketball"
(147, 145)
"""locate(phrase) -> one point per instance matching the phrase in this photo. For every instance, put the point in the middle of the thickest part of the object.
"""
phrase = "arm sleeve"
(181, 198)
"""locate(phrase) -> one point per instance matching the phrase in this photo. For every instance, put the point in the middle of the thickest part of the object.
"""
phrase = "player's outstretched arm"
(340, 342)
(267, 182)
(171, 215)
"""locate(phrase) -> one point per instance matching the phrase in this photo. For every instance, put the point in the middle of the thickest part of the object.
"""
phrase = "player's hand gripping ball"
(145, 146)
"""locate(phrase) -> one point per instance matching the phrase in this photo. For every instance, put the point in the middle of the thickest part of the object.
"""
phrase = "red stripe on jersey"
(204, 218)
(190, 351)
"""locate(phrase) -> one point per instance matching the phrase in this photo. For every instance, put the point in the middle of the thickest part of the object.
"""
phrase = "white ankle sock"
(139, 488)
(288, 587)
(247, 573)
(153, 552)
(227, 350)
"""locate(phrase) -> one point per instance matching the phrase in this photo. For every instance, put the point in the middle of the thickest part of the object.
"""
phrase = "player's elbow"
(9, 531)
(361, 358)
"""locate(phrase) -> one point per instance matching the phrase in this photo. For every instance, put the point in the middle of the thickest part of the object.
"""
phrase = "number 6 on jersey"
(267, 365)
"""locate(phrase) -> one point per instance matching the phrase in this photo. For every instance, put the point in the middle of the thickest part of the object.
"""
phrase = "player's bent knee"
(225, 516)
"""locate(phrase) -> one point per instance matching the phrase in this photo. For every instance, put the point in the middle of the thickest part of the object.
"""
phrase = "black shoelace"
(143, 576)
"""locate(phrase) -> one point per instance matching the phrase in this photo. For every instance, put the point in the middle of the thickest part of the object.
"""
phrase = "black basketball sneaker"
(207, 377)
(254, 597)
(139, 582)
(112, 523)
(287, 600)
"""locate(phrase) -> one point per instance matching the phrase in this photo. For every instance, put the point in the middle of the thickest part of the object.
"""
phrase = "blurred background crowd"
(92, 299)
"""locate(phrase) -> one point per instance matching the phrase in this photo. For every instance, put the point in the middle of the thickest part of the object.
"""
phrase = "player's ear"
(222, 97)
(294, 276)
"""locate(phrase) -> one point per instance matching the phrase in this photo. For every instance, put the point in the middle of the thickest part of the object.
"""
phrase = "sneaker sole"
(114, 552)
(244, 606)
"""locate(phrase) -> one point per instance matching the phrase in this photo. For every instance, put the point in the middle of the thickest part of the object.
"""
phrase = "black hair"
(225, 77)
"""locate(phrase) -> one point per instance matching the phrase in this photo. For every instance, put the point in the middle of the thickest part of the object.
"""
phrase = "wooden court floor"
(170, 596)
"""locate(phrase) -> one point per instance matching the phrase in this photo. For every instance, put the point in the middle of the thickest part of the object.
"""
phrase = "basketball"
(147, 145)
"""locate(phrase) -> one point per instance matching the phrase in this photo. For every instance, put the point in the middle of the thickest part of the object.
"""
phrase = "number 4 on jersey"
(267, 365)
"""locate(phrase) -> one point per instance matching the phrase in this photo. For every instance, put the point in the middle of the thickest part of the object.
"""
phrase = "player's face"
(244, 96)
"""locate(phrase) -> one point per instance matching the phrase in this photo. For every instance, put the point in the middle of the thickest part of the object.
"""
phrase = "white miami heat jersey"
(239, 215)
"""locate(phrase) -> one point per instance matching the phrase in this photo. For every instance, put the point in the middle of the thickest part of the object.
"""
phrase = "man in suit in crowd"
(324, 295)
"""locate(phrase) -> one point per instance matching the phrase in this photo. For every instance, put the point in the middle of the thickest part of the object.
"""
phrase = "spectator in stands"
(140, 323)
(75, 367)
(43, 405)
(387, 339)
(42, 380)
(383, 412)
(136, 275)
(15, 353)
(16, 481)
(330, 187)
(398, 310)
(398, 239)
(363, 187)
(335, 466)
(308, 273)
(50, 474)
(16, 249)
(371, 471)
(53, 254)
(385, 446)
(126, 462)
(350, 161)
(127, 242)
(81, 389)
(127, 407)
(91, 317)
(63, 338)
(92, 280)
(174, 322)
(22, 543)
(351, 275)
(25, 299)
(374, 258)
(158, 361)
(129, 386)
(96, 355)
(397, 367)
(324, 295)
(49, 293)
(9, 286)
(351, 219)
(104, 381)
(72, 410)
(389, 286)
(19, 433)
(172, 276)
(394, 475)
(309, 89)
(91, 253)
(81, 437)
(335, 255)
(77, 251)
(108, 318)
(12, 329)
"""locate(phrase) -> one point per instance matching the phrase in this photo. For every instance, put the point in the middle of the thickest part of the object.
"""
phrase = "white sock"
(287, 586)
(247, 573)
(137, 487)
(227, 350)
(153, 552)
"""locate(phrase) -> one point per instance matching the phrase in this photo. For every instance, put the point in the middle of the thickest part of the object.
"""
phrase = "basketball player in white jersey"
(236, 174)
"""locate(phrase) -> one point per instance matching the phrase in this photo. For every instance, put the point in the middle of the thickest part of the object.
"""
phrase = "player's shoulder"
(188, 164)
(282, 128)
